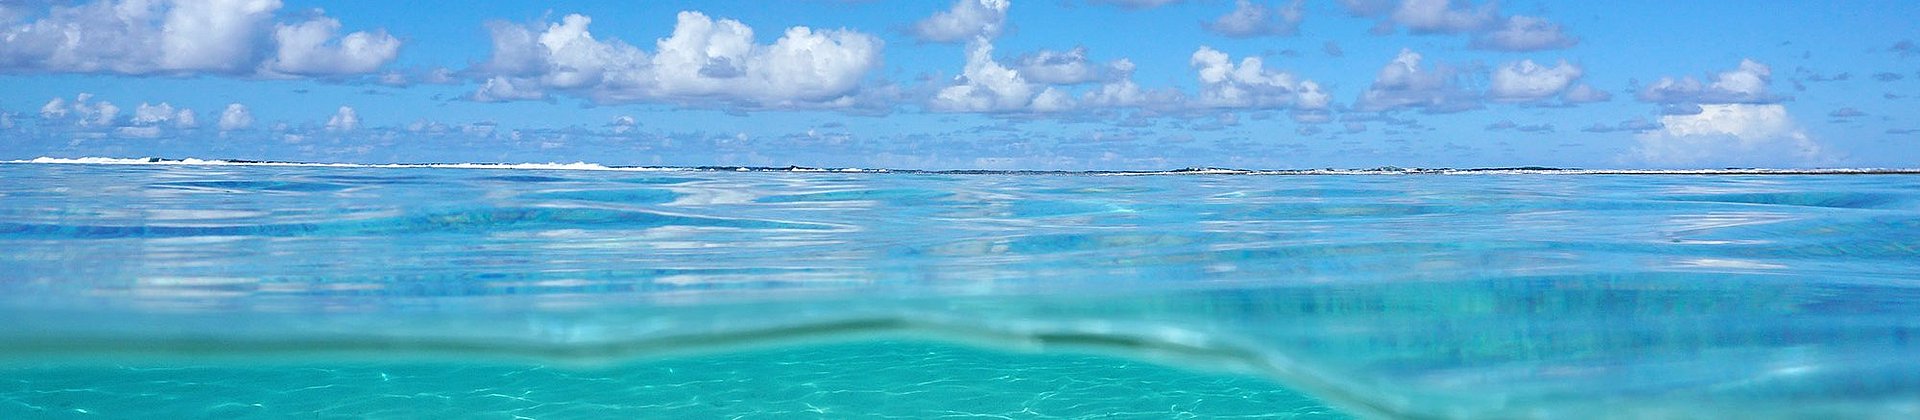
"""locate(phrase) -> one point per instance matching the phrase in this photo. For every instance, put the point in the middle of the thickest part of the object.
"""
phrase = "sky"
(969, 84)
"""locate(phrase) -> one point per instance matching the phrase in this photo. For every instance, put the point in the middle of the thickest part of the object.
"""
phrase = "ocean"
(205, 289)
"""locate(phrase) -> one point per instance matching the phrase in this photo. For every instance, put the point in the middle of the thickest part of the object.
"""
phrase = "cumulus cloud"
(83, 115)
(1746, 84)
(1525, 81)
(1070, 67)
(234, 37)
(987, 86)
(1249, 84)
(235, 117)
(56, 108)
(1732, 134)
(704, 61)
(1488, 28)
(1250, 19)
(164, 114)
(1042, 82)
(310, 49)
(501, 89)
(83, 111)
(344, 120)
(1126, 93)
(1403, 84)
(216, 35)
(966, 20)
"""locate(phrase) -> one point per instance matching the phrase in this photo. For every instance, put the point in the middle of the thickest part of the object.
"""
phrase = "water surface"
(1380, 295)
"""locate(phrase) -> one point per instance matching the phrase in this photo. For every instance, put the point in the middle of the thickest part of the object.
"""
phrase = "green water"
(874, 379)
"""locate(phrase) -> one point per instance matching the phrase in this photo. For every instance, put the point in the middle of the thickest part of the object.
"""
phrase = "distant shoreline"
(584, 166)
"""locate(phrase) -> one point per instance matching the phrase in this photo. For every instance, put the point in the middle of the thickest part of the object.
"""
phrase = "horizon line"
(1191, 170)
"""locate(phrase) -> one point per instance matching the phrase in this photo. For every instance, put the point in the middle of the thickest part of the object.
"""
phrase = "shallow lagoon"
(163, 287)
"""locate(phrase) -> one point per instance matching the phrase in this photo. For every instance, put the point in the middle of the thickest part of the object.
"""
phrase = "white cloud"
(309, 49)
(1524, 33)
(1443, 16)
(1123, 93)
(802, 65)
(1070, 67)
(1041, 82)
(966, 20)
(622, 124)
(55, 108)
(344, 120)
(1746, 84)
(162, 114)
(96, 37)
(425, 126)
(1488, 28)
(501, 88)
(152, 114)
(1524, 81)
(394, 78)
(216, 35)
(235, 37)
(1223, 84)
(84, 112)
(705, 60)
(99, 115)
(1402, 83)
(1745, 122)
(1052, 100)
(1730, 135)
(186, 119)
(1584, 93)
(987, 86)
(1250, 19)
(235, 117)
(438, 76)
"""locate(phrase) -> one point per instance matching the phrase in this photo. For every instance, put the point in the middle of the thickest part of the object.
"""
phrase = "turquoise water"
(873, 379)
(216, 290)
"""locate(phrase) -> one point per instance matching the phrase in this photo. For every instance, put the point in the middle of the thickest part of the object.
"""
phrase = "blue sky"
(998, 84)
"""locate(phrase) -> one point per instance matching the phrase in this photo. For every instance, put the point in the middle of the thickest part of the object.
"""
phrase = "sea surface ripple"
(1509, 295)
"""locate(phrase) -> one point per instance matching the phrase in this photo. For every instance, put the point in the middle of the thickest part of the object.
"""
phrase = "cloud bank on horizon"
(996, 84)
